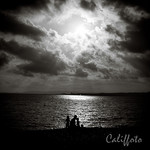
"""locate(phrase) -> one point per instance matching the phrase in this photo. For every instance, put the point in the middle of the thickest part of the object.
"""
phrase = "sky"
(78, 46)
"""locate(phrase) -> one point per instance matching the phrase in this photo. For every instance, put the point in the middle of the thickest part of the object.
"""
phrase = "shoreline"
(81, 137)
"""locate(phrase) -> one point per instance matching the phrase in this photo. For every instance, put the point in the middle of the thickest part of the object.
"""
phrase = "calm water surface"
(36, 112)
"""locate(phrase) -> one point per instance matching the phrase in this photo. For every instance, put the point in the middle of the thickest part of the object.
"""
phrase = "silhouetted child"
(78, 122)
(67, 122)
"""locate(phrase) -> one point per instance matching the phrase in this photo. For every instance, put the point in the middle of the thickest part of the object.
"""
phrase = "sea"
(44, 111)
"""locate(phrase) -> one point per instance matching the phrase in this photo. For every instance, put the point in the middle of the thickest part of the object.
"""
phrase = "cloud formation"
(112, 30)
(80, 73)
(138, 39)
(10, 24)
(141, 63)
(59, 3)
(17, 5)
(137, 17)
(88, 40)
(136, 3)
(38, 61)
(84, 61)
(3, 59)
(88, 5)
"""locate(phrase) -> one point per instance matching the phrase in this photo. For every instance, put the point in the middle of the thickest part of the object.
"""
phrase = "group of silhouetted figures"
(73, 123)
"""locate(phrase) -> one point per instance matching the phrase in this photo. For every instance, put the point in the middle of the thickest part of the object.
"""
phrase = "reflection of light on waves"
(77, 97)
(80, 108)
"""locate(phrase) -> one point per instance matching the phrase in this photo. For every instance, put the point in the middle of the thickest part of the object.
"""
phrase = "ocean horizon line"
(80, 94)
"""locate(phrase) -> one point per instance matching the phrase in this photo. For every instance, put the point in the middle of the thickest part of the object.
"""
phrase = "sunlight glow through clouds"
(80, 39)
(73, 24)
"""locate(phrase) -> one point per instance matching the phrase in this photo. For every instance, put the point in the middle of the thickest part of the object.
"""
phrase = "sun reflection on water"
(78, 97)
(81, 105)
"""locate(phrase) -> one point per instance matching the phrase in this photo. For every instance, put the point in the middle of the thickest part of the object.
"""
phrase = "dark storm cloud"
(23, 52)
(47, 64)
(4, 59)
(17, 5)
(112, 30)
(34, 5)
(80, 73)
(124, 9)
(22, 72)
(127, 16)
(138, 33)
(142, 64)
(136, 38)
(106, 73)
(10, 24)
(88, 5)
(141, 4)
(59, 3)
(39, 61)
(88, 65)
(114, 45)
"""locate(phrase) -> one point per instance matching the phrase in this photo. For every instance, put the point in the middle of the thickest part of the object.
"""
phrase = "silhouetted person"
(73, 122)
(67, 122)
(82, 126)
(78, 122)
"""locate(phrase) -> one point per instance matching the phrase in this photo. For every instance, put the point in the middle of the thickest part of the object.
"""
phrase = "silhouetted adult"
(73, 122)
(67, 122)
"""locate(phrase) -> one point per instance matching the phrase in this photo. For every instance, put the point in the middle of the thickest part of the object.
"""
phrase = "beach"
(94, 138)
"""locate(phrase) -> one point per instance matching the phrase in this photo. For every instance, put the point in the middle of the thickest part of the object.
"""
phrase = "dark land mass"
(80, 138)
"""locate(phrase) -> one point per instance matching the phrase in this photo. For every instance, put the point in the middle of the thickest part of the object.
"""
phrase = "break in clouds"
(81, 46)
